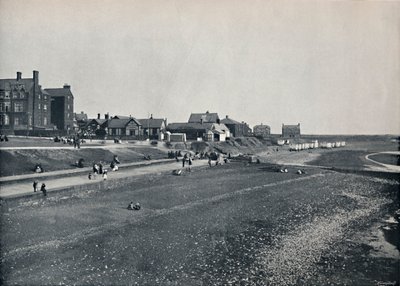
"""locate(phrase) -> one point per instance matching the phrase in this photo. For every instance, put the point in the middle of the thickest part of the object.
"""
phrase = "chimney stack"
(36, 77)
(227, 117)
(66, 86)
(98, 115)
(19, 75)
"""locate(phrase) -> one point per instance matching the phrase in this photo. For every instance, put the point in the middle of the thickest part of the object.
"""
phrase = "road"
(236, 224)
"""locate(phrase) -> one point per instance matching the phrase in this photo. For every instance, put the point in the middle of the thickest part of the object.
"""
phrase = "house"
(204, 118)
(291, 131)
(261, 130)
(153, 128)
(237, 129)
(81, 120)
(97, 126)
(23, 104)
(62, 107)
(201, 131)
(126, 127)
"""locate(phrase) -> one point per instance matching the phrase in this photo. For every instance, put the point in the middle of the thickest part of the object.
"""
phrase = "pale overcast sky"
(332, 66)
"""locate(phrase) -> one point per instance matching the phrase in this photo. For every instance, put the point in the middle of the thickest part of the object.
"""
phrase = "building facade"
(261, 130)
(237, 129)
(291, 131)
(62, 107)
(23, 104)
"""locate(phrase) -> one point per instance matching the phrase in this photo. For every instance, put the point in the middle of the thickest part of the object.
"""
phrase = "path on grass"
(390, 167)
(56, 183)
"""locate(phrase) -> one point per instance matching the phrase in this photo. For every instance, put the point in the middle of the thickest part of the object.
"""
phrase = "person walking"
(35, 183)
(43, 189)
(105, 175)
(190, 164)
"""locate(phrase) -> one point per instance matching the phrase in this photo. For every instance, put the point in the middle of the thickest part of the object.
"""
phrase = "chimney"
(151, 116)
(201, 120)
(98, 115)
(66, 86)
(106, 116)
(36, 77)
(19, 75)
(227, 117)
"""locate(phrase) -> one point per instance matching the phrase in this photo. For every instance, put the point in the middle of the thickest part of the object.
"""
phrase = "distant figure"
(43, 189)
(38, 169)
(116, 160)
(90, 176)
(209, 162)
(100, 168)
(183, 162)
(105, 176)
(190, 164)
(133, 207)
(35, 183)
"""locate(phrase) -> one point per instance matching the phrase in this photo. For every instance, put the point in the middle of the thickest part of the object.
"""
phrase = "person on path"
(90, 176)
(35, 183)
(183, 162)
(209, 162)
(43, 189)
(105, 175)
(190, 164)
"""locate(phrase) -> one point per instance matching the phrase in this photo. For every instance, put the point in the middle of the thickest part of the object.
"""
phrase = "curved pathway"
(382, 166)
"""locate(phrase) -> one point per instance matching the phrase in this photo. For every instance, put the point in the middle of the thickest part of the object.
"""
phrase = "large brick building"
(24, 105)
(62, 107)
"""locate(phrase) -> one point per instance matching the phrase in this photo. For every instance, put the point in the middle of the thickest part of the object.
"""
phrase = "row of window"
(5, 120)
(18, 106)
(21, 94)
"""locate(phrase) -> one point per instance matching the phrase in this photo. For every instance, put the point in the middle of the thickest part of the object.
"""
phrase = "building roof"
(63, 91)
(205, 117)
(197, 126)
(81, 116)
(228, 120)
(263, 126)
(151, 122)
(121, 117)
(98, 121)
(121, 123)
(291, 126)
(190, 126)
(6, 84)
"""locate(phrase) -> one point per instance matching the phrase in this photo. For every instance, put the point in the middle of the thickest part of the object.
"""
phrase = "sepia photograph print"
(199, 142)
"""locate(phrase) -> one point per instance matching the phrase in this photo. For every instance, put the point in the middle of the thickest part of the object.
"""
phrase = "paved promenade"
(16, 186)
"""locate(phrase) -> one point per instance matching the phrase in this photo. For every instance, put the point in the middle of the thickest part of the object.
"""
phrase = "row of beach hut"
(314, 145)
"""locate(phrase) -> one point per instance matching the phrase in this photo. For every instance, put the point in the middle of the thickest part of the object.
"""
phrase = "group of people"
(98, 169)
(42, 188)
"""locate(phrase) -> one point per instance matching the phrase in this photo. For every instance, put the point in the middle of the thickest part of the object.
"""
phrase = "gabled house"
(127, 127)
(201, 131)
(237, 129)
(204, 118)
(97, 126)
(153, 128)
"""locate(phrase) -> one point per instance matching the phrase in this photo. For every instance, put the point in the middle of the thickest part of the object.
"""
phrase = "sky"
(332, 66)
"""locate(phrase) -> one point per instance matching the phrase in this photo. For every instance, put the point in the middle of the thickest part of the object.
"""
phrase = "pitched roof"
(54, 92)
(230, 121)
(151, 122)
(81, 116)
(121, 117)
(121, 123)
(206, 117)
(98, 121)
(6, 84)
(189, 126)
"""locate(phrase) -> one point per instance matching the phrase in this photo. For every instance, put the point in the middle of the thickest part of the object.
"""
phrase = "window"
(44, 106)
(38, 96)
(30, 120)
(15, 94)
(5, 106)
(67, 115)
(7, 94)
(45, 120)
(38, 106)
(18, 107)
(45, 97)
(68, 106)
(5, 120)
(16, 121)
(22, 94)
